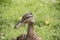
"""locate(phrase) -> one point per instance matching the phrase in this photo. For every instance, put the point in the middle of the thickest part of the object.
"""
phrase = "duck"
(30, 35)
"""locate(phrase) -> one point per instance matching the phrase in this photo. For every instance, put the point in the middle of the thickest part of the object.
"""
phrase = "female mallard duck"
(28, 18)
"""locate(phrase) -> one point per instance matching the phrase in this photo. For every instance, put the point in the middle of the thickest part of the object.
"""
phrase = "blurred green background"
(46, 13)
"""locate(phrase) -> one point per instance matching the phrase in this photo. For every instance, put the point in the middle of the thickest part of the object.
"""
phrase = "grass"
(47, 18)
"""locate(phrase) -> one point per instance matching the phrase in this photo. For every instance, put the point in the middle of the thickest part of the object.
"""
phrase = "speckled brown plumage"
(31, 35)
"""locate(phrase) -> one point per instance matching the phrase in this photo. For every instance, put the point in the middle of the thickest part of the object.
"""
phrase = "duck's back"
(34, 37)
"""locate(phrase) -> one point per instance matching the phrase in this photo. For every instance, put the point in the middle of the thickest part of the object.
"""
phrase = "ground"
(46, 13)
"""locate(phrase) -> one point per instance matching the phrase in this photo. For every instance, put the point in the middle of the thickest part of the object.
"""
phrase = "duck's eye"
(27, 17)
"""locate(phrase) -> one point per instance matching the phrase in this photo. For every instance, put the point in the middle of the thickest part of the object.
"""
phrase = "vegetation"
(46, 13)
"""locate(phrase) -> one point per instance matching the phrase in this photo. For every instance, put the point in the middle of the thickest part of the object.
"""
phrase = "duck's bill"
(18, 25)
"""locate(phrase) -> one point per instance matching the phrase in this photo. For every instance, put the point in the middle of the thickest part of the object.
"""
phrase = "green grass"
(46, 13)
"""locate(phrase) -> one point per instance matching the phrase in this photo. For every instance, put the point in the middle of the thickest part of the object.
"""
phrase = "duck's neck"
(30, 29)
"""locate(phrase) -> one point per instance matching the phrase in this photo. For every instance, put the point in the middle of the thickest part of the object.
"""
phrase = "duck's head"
(27, 18)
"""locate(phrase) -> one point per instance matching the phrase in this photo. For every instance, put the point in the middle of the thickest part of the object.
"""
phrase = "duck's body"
(25, 37)
(21, 37)
(28, 18)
